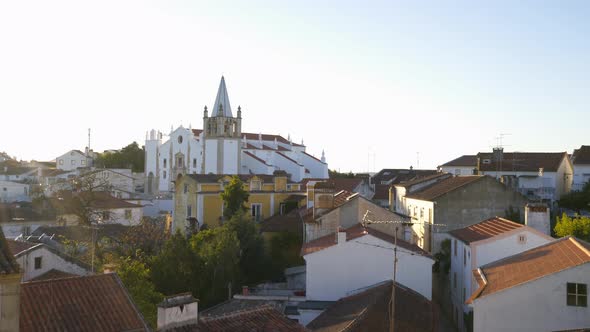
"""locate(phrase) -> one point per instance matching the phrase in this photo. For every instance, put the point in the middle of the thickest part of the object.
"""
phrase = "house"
(480, 244)
(360, 185)
(198, 196)
(4, 157)
(180, 313)
(10, 277)
(464, 165)
(541, 289)
(386, 178)
(99, 207)
(72, 160)
(221, 147)
(358, 257)
(441, 203)
(15, 172)
(23, 218)
(538, 175)
(120, 182)
(581, 162)
(369, 310)
(40, 261)
(87, 303)
(14, 191)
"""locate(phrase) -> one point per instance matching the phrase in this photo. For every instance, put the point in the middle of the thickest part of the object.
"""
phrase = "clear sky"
(371, 83)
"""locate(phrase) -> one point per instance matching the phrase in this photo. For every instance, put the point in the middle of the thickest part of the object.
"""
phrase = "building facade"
(581, 162)
(222, 148)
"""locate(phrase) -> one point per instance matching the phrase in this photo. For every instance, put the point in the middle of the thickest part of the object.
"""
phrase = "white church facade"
(222, 148)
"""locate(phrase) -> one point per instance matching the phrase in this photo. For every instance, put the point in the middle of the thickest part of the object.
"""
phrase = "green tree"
(234, 196)
(136, 278)
(443, 258)
(576, 200)
(176, 269)
(512, 214)
(132, 156)
(253, 259)
(578, 227)
(285, 251)
(218, 250)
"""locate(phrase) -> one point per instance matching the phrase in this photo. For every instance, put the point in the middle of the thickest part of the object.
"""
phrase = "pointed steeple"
(221, 106)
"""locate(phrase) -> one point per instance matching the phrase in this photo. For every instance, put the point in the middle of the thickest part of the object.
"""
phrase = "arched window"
(164, 162)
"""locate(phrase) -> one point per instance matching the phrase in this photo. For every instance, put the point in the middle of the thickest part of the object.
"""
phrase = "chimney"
(341, 236)
(178, 310)
(109, 268)
(407, 234)
(245, 290)
(536, 215)
(323, 199)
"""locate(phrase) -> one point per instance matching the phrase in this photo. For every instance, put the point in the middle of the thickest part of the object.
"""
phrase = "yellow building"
(199, 196)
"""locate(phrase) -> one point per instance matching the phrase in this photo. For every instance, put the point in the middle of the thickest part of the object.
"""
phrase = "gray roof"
(222, 101)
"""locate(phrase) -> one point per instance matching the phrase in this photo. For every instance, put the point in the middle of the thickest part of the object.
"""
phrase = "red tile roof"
(19, 246)
(443, 187)
(260, 319)
(355, 232)
(369, 311)
(423, 179)
(90, 303)
(465, 160)
(98, 199)
(53, 274)
(523, 161)
(556, 256)
(485, 229)
(581, 156)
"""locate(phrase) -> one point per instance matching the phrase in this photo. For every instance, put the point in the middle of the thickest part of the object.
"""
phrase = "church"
(222, 148)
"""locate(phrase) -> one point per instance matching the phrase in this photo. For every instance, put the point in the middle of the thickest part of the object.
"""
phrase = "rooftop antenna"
(88, 141)
(417, 160)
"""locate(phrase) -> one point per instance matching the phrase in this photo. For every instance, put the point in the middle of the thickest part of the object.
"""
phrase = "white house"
(357, 257)
(541, 289)
(73, 159)
(17, 173)
(222, 148)
(479, 244)
(581, 162)
(13, 191)
(464, 165)
(38, 259)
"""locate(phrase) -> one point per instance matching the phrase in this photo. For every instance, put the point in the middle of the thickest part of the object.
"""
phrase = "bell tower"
(222, 136)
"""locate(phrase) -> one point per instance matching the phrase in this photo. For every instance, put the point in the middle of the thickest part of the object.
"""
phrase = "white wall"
(538, 305)
(581, 176)
(334, 272)
(49, 260)
(211, 156)
(458, 170)
(13, 191)
(71, 160)
(230, 156)
(119, 216)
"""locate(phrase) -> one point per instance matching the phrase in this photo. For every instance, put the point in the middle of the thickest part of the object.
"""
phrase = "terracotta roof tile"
(263, 318)
(355, 232)
(443, 187)
(19, 246)
(556, 256)
(423, 179)
(369, 311)
(485, 229)
(523, 161)
(90, 303)
(465, 160)
(581, 156)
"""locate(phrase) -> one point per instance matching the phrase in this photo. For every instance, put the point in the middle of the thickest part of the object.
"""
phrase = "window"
(164, 174)
(186, 188)
(83, 162)
(38, 262)
(457, 171)
(164, 163)
(455, 250)
(127, 214)
(194, 162)
(421, 213)
(521, 239)
(189, 211)
(455, 280)
(4, 189)
(106, 215)
(61, 161)
(73, 162)
(577, 295)
(464, 299)
(179, 139)
(179, 161)
(255, 185)
(255, 211)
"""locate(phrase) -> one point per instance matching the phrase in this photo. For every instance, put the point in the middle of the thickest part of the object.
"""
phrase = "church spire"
(221, 106)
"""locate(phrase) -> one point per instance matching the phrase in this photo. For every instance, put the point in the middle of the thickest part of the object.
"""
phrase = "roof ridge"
(68, 278)
(575, 240)
(235, 313)
(522, 252)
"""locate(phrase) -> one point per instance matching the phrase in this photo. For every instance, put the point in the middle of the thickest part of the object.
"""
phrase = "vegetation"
(333, 174)
(234, 196)
(285, 251)
(443, 258)
(577, 200)
(578, 227)
(512, 214)
(131, 156)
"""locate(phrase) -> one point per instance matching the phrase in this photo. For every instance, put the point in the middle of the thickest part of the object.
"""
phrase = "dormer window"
(521, 239)
(179, 139)
(255, 185)
(486, 161)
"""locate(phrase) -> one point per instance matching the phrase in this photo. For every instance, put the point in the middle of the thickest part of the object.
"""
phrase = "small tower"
(323, 157)
(537, 216)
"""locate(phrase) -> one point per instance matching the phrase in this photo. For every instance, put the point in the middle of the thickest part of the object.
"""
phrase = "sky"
(375, 84)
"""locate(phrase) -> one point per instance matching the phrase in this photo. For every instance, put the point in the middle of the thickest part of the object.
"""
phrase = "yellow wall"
(212, 209)
(210, 187)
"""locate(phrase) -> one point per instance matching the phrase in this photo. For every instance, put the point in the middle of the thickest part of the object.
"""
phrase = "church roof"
(222, 101)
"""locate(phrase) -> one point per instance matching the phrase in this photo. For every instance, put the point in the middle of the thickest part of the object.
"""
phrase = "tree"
(135, 275)
(234, 196)
(253, 257)
(218, 250)
(131, 156)
(148, 237)
(578, 227)
(333, 174)
(577, 200)
(284, 250)
(512, 214)
(176, 269)
(443, 258)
